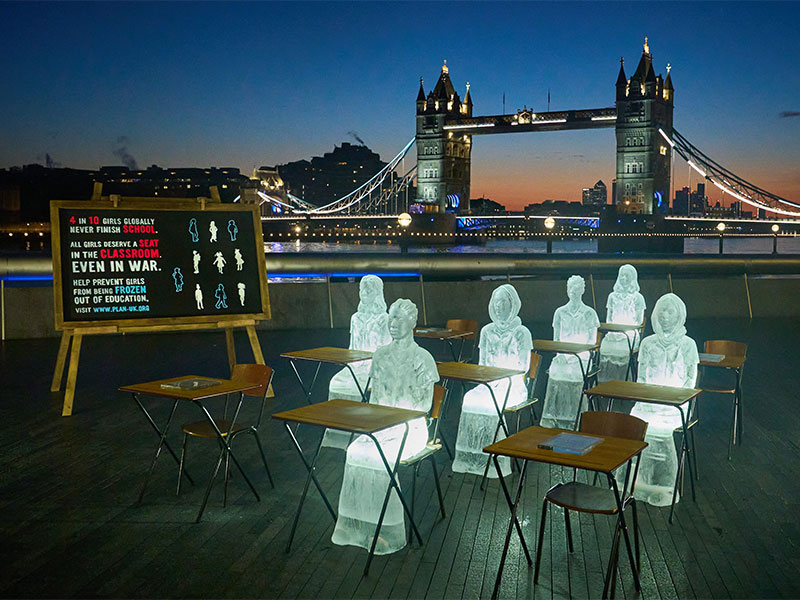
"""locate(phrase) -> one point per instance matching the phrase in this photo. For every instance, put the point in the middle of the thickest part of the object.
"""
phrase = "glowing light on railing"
(549, 121)
(469, 126)
(606, 118)
(696, 168)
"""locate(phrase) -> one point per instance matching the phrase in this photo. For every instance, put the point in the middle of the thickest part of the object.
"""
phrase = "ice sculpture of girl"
(369, 330)
(403, 375)
(625, 306)
(668, 357)
(505, 342)
(574, 322)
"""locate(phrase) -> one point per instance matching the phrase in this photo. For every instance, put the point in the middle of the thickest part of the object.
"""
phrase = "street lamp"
(549, 223)
(775, 229)
(721, 229)
(404, 220)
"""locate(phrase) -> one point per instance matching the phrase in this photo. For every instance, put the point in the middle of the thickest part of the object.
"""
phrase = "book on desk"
(190, 383)
(570, 443)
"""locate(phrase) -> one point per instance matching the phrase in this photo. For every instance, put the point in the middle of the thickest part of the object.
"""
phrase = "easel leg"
(231, 347)
(61, 361)
(255, 344)
(72, 375)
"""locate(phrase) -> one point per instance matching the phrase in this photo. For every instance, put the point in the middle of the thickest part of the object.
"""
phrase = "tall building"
(443, 156)
(335, 174)
(644, 105)
(680, 206)
(596, 195)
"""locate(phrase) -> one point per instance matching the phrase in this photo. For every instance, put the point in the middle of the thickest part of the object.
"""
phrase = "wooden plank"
(72, 375)
(61, 359)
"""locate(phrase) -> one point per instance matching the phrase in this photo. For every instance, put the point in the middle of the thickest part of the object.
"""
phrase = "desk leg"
(501, 423)
(161, 444)
(310, 389)
(392, 485)
(226, 448)
(311, 477)
(514, 522)
(623, 527)
(685, 452)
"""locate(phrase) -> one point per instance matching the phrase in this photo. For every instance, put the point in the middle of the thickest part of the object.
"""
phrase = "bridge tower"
(644, 103)
(443, 156)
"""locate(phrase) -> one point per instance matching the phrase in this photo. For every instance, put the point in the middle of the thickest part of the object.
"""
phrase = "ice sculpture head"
(627, 280)
(669, 315)
(575, 287)
(504, 304)
(402, 319)
(370, 295)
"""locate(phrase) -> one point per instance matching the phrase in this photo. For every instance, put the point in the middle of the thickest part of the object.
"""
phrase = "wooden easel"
(75, 335)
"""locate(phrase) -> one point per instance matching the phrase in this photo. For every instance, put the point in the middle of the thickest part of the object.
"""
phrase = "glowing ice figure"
(626, 306)
(232, 229)
(505, 342)
(212, 229)
(237, 255)
(369, 330)
(222, 299)
(240, 287)
(219, 261)
(668, 357)
(193, 230)
(403, 375)
(578, 323)
(198, 297)
(196, 261)
(177, 276)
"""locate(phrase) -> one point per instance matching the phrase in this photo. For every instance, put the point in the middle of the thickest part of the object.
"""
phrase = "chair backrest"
(464, 325)
(260, 374)
(614, 424)
(533, 368)
(439, 394)
(726, 347)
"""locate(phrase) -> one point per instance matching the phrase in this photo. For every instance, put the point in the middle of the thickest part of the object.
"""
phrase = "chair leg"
(694, 455)
(180, 465)
(636, 535)
(611, 571)
(534, 418)
(540, 543)
(569, 530)
(227, 476)
(438, 486)
(414, 488)
(263, 458)
(734, 425)
(518, 416)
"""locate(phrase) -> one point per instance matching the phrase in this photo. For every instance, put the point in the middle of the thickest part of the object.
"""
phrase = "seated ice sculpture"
(625, 306)
(369, 330)
(574, 322)
(668, 357)
(403, 375)
(505, 342)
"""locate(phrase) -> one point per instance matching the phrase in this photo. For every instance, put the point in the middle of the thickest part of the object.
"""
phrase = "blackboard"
(157, 264)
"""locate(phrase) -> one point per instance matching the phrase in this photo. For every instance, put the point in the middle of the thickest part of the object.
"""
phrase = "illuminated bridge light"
(551, 121)
(696, 168)
(469, 126)
(606, 118)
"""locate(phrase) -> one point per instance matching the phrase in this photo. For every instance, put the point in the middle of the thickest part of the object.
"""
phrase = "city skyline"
(245, 85)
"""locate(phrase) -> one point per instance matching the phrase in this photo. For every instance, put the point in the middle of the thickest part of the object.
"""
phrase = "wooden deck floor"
(70, 525)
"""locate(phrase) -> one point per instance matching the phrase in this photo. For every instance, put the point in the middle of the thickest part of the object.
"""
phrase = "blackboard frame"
(155, 205)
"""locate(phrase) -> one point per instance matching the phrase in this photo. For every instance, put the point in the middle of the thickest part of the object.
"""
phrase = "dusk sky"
(243, 85)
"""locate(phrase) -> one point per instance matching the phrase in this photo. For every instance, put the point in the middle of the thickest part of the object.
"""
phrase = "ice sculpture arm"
(521, 351)
(557, 325)
(353, 329)
(483, 350)
(640, 306)
(691, 359)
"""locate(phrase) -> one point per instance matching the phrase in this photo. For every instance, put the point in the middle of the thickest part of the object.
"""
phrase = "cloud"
(790, 113)
(122, 153)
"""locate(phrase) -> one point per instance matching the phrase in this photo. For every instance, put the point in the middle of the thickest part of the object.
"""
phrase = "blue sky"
(247, 84)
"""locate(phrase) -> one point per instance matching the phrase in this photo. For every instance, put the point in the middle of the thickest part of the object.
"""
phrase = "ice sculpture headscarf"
(633, 280)
(374, 303)
(505, 321)
(669, 338)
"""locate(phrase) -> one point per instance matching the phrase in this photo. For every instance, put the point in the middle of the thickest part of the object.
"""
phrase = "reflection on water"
(704, 245)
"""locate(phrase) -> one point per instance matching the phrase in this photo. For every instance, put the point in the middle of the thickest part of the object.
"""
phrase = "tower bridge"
(439, 181)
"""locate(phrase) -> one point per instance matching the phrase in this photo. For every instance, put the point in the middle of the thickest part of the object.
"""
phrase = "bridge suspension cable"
(728, 182)
(362, 197)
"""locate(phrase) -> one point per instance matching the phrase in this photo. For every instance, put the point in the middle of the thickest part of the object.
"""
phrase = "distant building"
(556, 207)
(179, 182)
(28, 190)
(680, 205)
(596, 195)
(331, 176)
(484, 206)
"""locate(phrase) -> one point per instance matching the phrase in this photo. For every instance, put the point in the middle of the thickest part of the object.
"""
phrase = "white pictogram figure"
(212, 229)
(239, 260)
(219, 261)
(196, 261)
(198, 296)
(240, 285)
